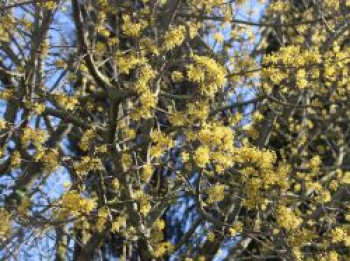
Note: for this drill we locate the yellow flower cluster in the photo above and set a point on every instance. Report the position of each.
(252, 190)
(162, 248)
(3, 124)
(315, 163)
(331, 256)
(340, 235)
(219, 140)
(300, 237)
(206, 5)
(148, 100)
(202, 156)
(174, 37)
(67, 102)
(301, 79)
(261, 175)
(15, 159)
(6, 94)
(72, 203)
(126, 161)
(236, 228)
(143, 201)
(87, 164)
(161, 143)
(216, 193)
(294, 66)
(197, 111)
(50, 4)
(102, 218)
(131, 28)
(127, 61)
(36, 136)
(287, 219)
(177, 76)
(157, 235)
(5, 224)
(118, 223)
(263, 159)
(147, 172)
(209, 74)
(148, 45)
(36, 107)
(49, 157)
(279, 6)
(217, 136)
(87, 139)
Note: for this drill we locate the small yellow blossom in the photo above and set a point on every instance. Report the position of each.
(130, 28)
(236, 228)
(177, 76)
(126, 161)
(216, 193)
(147, 172)
(174, 37)
(202, 156)
(162, 248)
(5, 224)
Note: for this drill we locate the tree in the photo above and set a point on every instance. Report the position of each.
(163, 130)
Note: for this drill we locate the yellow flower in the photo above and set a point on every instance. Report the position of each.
(216, 193)
(143, 200)
(195, 74)
(6, 94)
(236, 228)
(50, 4)
(66, 102)
(16, 159)
(287, 219)
(219, 37)
(315, 163)
(159, 224)
(87, 164)
(174, 37)
(102, 219)
(126, 161)
(115, 184)
(147, 172)
(211, 236)
(162, 248)
(127, 62)
(161, 143)
(177, 76)
(118, 223)
(3, 124)
(39, 108)
(301, 79)
(338, 235)
(5, 224)
(208, 73)
(148, 100)
(87, 139)
(202, 157)
(131, 28)
(73, 203)
(333, 256)
(185, 156)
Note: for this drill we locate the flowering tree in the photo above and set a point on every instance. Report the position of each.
(160, 129)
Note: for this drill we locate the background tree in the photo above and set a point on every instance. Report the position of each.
(162, 130)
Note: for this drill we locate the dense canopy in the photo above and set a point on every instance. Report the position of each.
(174, 130)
